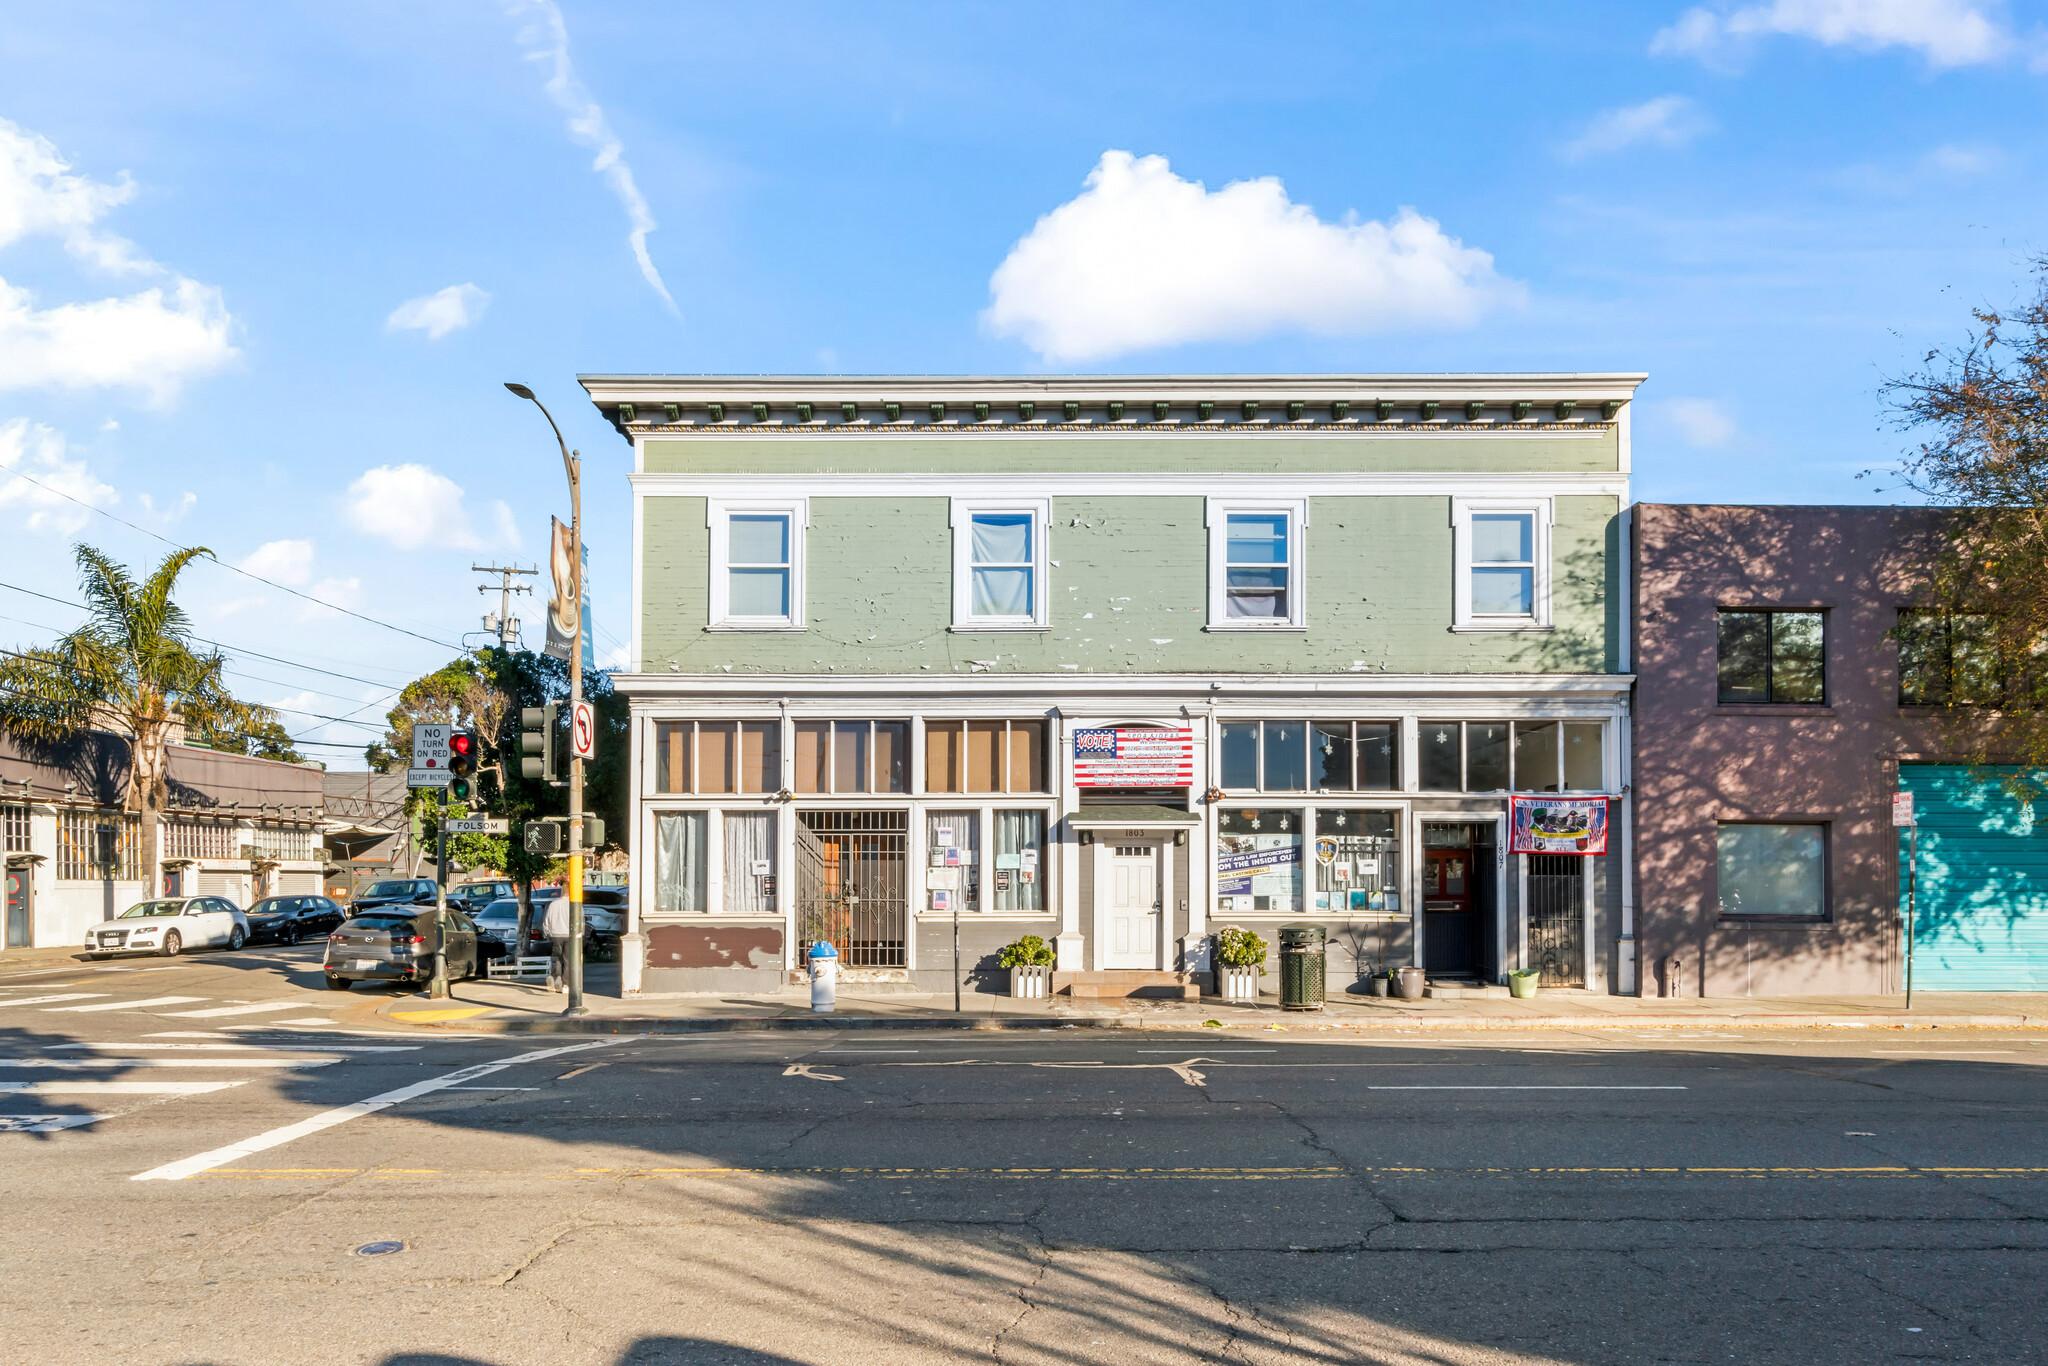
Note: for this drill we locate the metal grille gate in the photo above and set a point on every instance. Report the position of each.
(1557, 919)
(849, 889)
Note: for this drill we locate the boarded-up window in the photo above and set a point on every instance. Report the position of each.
(852, 756)
(719, 756)
(984, 756)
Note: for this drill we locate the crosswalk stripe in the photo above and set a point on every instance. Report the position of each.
(113, 1088)
(62, 996)
(257, 1009)
(44, 1124)
(102, 1064)
(133, 1005)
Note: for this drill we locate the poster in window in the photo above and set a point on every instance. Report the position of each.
(1258, 872)
(1557, 825)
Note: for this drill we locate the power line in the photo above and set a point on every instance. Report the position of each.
(225, 564)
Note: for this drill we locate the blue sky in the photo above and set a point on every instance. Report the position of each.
(266, 267)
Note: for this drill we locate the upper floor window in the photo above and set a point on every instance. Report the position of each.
(1501, 554)
(1300, 756)
(984, 756)
(1520, 756)
(757, 565)
(717, 756)
(1255, 564)
(852, 756)
(1952, 659)
(1768, 656)
(999, 565)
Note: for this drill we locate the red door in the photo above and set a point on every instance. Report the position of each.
(1449, 922)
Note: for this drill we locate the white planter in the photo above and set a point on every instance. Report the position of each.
(1237, 984)
(1035, 982)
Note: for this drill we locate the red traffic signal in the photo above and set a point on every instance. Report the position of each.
(462, 745)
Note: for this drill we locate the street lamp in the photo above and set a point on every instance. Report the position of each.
(572, 465)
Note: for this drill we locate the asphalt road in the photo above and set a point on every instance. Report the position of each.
(1062, 1196)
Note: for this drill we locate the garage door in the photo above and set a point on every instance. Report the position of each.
(1983, 919)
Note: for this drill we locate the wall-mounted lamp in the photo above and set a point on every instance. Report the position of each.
(1087, 837)
(1180, 839)
(785, 796)
(1214, 795)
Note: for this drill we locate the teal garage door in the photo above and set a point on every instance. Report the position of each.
(1983, 881)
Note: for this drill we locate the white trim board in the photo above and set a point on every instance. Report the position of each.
(1001, 484)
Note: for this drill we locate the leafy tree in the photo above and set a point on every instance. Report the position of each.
(258, 740)
(132, 667)
(1981, 409)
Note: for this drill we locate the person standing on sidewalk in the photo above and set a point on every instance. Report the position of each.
(556, 926)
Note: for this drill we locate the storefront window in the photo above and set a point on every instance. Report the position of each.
(1536, 756)
(1294, 756)
(952, 841)
(679, 840)
(1357, 863)
(749, 861)
(1473, 756)
(1019, 872)
(1258, 860)
(1773, 870)
(1584, 769)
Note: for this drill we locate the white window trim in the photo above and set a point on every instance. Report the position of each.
(718, 515)
(1541, 512)
(1216, 515)
(963, 514)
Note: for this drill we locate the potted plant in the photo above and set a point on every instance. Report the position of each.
(1240, 958)
(1029, 960)
(1522, 982)
(1381, 982)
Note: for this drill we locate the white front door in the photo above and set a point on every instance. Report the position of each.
(1128, 916)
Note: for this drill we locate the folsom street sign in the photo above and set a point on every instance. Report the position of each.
(479, 826)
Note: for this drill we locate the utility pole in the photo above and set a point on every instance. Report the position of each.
(505, 625)
(572, 465)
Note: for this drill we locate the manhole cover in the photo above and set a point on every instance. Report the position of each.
(378, 1249)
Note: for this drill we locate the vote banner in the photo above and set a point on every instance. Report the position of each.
(1118, 756)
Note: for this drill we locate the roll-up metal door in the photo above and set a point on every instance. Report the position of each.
(298, 884)
(1983, 881)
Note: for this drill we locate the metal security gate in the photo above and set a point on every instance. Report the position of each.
(1983, 890)
(1557, 918)
(850, 885)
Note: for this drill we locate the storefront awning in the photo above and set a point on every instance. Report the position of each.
(1092, 817)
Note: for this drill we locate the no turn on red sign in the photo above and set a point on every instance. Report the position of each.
(583, 731)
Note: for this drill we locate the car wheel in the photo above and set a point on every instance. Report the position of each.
(290, 937)
(338, 983)
(171, 944)
(236, 939)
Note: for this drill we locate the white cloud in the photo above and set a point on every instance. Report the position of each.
(546, 40)
(33, 452)
(1953, 160)
(1948, 33)
(507, 525)
(441, 312)
(1667, 121)
(172, 511)
(152, 341)
(1702, 423)
(410, 506)
(287, 562)
(333, 592)
(1142, 258)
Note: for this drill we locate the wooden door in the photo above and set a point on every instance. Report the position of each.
(1129, 921)
(18, 922)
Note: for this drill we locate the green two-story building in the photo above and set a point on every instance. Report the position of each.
(1118, 661)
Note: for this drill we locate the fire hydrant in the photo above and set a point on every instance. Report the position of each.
(824, 964)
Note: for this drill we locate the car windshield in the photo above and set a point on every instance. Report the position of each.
(374, 921)
(507, 911)
(150, 908)
(272, 906)
(390, 889)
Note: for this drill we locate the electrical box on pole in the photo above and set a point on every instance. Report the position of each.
(537, 743)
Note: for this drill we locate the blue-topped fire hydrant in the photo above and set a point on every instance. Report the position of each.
(824, 963)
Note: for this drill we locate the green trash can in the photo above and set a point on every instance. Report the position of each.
(1301, 967)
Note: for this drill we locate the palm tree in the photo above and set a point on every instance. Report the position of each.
(134, 668)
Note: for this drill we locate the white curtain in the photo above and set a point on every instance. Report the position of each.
(1017, 831)
(749, 837)
(679, 861)
(958, 830)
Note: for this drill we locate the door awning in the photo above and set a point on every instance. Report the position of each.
(1096, 817)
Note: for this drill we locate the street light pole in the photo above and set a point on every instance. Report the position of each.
(572, 465)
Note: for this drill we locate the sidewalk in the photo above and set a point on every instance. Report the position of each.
(510, 1008)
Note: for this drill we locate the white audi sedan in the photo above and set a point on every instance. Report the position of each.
(170, 926)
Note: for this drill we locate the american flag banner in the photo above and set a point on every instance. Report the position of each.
(1116, 756)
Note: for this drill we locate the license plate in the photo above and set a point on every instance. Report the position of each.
(364, 964)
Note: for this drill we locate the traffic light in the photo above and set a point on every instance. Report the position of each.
(463, 748)
(537, 744)
(543, 837)
(593, 832)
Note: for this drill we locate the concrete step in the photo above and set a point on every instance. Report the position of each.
(1125, 983)
(1463, 991)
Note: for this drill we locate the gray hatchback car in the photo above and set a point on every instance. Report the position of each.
(397, 945)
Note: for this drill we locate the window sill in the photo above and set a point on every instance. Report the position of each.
(1255, 626)
(1773, 709)
(755, 626)
(976, 627)
(926, 917)
(1790, 922)
(1495, 628)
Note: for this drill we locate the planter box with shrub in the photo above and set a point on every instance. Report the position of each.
(1240, 957)
(1030, 961)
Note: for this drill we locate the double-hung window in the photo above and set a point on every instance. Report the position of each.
(1255, 565)
(1501, 555)
(757, 565)
(999, 563)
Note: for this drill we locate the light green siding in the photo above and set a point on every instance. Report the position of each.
(828, 452)
(1128, 592)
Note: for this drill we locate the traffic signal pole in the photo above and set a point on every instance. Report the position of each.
(438, 989)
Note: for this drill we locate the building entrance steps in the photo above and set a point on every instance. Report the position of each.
(1126, 983)
(1465, 989)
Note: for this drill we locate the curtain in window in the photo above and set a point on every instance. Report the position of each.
(749, 837)
(679, 861)
(953, 839)
(1002, 565)
(1016, 833)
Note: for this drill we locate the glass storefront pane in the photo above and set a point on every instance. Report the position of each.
(952, 840)
(813, 756)
(1258, 860)
(1379, 766)
(1584, 770)
(679, 861)
(984, 756)
(749, 845)
(850, 766)
(892, 756)
(1286, 758)
(1778, 870)
(760, 756)
(714, 756)
(1330, 755)
(1020, 862)
(1443, 764)
(1536, 756)
(1240, 759)
(673, 755)
(1027, 756)
(1358, 863)
(1486, 756)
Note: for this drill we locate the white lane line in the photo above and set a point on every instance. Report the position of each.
(849, 1052)
(61, 996)
(1219, 1052)
(271, 1024)
(44, 1124)
(132, 1005)
(259, 1008)
(218, 1157)
(1940, 1052)
(494, 1088)
(1525, 1088)
(102, 1064)
(114, 1088)
(322, 1047)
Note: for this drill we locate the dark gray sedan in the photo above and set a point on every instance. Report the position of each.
(397, 945)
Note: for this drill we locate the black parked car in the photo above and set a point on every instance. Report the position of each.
(417, 891)
(288, 919)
